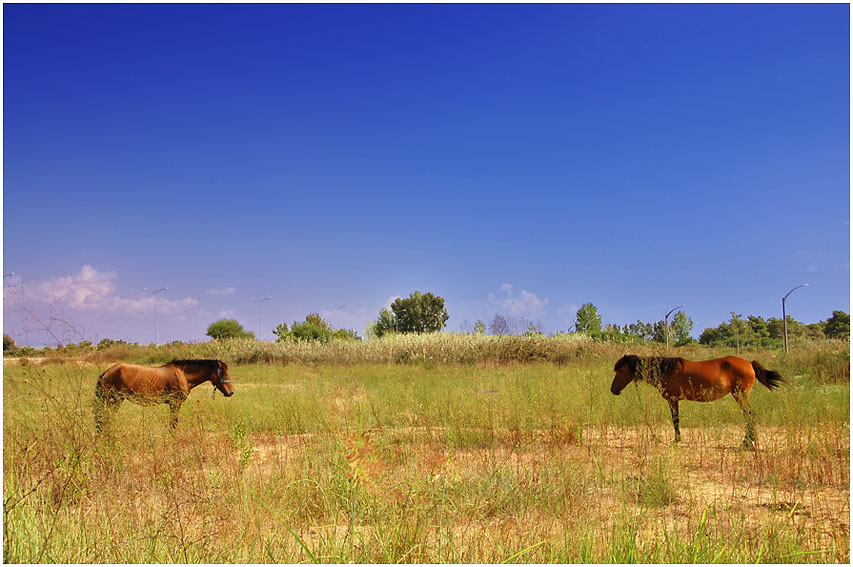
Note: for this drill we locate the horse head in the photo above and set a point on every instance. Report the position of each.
(625, 369)
(221, 380)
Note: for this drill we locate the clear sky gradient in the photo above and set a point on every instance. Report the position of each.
(513, 159)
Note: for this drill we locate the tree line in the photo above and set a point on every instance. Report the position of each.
(758, 331)
(426, 313)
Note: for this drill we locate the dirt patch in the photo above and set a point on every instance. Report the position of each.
(608, 473)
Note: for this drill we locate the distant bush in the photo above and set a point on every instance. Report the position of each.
(613, 334)
(109, 343)
(228, 329)
(313, 329)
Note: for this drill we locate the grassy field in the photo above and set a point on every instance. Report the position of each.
(419, 458)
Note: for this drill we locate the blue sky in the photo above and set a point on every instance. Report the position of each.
(513, 159)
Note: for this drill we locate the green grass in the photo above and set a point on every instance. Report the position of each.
(426, 462)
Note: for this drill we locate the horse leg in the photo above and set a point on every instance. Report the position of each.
(104, 409)
(742, 399)
(104, 412)
(174, 407)
(673, 408)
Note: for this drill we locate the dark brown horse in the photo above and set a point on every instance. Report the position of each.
(706, 381)
(168, 384)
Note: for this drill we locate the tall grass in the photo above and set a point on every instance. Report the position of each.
(826, 362)
(422, 460)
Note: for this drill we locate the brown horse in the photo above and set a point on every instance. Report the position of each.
(168, 384)
(706, 381)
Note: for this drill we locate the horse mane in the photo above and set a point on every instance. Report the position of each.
(667, 365)
(649, 368)
(208, 362)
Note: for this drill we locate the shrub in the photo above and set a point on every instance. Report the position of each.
(228, 329)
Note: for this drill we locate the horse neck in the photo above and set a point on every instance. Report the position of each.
(196, 374)
(650, 371)
(656, 370)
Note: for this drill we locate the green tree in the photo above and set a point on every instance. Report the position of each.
(587, 319)
(814, 331)
(638, 329)
(420, 313)
(837, 326)
(228, 329)
(315, 319)
(344, 335)
(776, 327)
(385, 323)
(313, 328)
(108, 343)
(680, 329)
(715, 335)
(282, 331)
(758, 329)
(739, 328)
(307, 331)
(658, 333)
(9, 344)
(479, 328)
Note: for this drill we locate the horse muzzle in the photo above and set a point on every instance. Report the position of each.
(615, 390)
(226, 391)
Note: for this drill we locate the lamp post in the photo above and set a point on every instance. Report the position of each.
(785, 317)
(154, 293)
(666, 323)
(260, 301)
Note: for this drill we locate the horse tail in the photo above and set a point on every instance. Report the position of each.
(99, 388)
(769, 378)
(100, 406)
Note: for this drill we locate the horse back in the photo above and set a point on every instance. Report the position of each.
(143, 380)
(708, 380)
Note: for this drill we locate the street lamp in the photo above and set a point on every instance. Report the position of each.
(260, 301)
(785, 317)
(154, 293)
(666, 323)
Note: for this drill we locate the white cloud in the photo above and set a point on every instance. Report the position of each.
(525, 303)
(91, 290)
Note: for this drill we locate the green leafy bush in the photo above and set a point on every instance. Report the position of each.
(228, 329)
